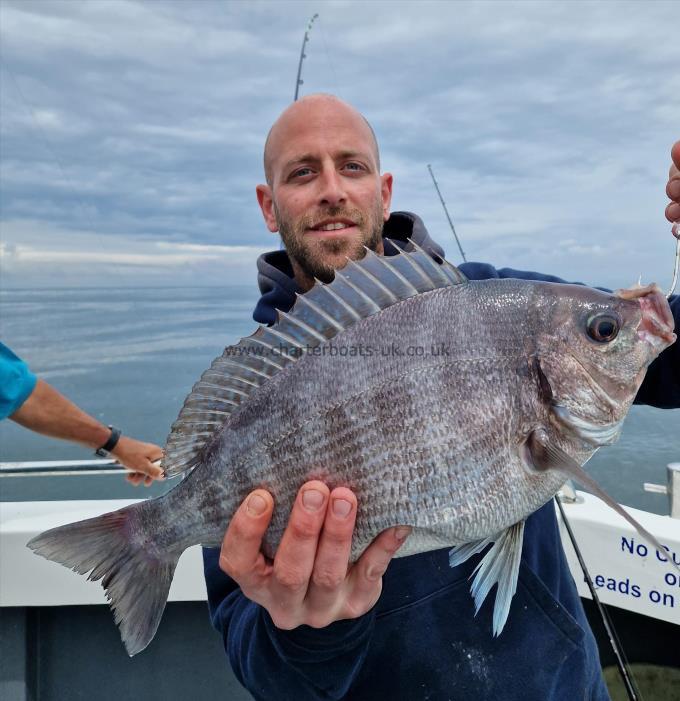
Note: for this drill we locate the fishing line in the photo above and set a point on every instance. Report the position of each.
(621, 661)
(676, 233)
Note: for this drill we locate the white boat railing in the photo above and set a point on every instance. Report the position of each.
(625, 570)
(70, 468)
(671, 488)
(61, 468)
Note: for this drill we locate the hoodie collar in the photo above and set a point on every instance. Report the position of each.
(275, 272)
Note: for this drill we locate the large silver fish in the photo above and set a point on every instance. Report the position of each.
(452, 406)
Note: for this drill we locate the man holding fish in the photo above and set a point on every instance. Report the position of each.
(445, 459)
(310, 624)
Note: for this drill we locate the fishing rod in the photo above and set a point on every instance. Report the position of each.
(446, 211)
(621, 661)
(303, 55)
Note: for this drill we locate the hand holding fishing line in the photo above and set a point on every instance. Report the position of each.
(673, 209)
(673, 186)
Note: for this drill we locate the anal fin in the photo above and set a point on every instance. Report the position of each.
(499, 566)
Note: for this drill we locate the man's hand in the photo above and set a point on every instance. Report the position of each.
(310, 581)
(673, 186)
(140, 458)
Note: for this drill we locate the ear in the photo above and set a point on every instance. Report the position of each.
(266, 202)
(386, 194)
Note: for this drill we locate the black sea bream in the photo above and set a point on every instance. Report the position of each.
(452, 406)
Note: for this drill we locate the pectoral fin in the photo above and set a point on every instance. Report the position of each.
(545, 455)
(499, 566)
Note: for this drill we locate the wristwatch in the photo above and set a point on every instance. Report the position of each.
(104, 451)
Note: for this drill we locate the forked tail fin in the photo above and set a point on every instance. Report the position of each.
(116, 549)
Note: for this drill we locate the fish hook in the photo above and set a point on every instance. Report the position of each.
(676, 233)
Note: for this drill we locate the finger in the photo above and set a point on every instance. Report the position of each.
(366, 575)
(673, 188)
(332, 556)
(675, 156)
(134, 478)
(240, 555)
(673, 212)
(155, 469)
(296, 553)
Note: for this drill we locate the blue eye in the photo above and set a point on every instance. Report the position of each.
(354, 166)
(301, 172)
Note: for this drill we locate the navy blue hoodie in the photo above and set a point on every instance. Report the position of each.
(422, 640)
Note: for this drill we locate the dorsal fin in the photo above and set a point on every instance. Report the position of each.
(359, 290)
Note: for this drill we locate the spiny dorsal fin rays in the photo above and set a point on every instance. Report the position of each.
(361, 289)
(383, 296)
(324, 320)
(455, 274)
(221, 390)
(364, 304)
(241, 368)
(422, 282)
(416, 266)
(372, 258)
(229, 380)
(304, 331)
(267, 338)
(331, 298)
(339, 307)
(285, 338)
(434, 269)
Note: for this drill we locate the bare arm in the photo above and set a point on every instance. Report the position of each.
(48, 412)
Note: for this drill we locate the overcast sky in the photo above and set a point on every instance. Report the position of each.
(132, 132)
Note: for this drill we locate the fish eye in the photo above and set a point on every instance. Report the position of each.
(603, 328)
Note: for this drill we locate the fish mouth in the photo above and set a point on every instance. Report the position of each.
(657, 323)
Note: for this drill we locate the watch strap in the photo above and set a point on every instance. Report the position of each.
(110, 444)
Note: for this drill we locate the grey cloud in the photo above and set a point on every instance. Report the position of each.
(544, 121)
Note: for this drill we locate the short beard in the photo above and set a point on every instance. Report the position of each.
(313, 263)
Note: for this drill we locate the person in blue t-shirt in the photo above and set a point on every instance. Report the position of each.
(311, 625)
(36, 405)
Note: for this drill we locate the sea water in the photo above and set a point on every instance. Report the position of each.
(130, 356)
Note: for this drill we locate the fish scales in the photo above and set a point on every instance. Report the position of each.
(356, 419)
(458, 410)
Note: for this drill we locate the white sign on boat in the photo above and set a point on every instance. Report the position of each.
(626, 570)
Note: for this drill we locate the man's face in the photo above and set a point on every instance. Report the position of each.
(326, 196)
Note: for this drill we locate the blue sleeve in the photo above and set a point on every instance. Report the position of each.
(301, 664)
(661, 386)
(16, 382)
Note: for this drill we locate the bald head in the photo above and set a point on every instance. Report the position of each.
(309, 112)
(325, 194)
